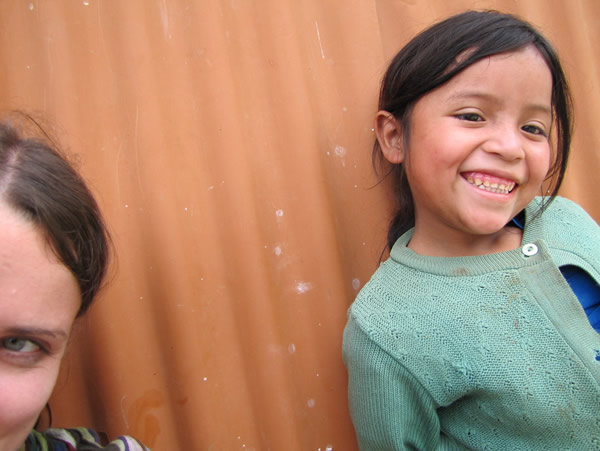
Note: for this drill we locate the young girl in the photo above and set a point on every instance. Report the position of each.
(473, 334)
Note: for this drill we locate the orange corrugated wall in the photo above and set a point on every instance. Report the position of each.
(229, 145)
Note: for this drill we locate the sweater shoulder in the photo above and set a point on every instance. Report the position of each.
(565, 211)
(569, 229)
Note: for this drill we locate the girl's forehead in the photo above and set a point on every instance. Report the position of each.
(35, 286)
(523, 68)
(527, 56)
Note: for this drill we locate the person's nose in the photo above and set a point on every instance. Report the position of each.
(506, 141)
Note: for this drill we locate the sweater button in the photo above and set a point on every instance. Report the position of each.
(529, 250)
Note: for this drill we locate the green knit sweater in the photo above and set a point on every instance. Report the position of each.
(489, 352)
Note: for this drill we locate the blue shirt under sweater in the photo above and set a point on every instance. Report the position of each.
(585, 288)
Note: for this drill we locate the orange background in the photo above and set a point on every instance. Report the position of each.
(228, 143)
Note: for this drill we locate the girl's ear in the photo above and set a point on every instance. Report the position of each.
(389, 134)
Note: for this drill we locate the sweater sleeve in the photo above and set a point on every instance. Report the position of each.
(390, 409)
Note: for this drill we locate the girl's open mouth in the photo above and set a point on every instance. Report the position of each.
(490, 183)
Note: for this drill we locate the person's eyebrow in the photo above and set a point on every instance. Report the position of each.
(36, 332)
(462, 95)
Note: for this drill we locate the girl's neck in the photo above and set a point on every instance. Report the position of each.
(507, 239)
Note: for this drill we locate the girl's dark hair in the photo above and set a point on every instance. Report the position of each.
(38, 182)
(442, 51)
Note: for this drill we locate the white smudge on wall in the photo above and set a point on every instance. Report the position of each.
(341, 152)
(303, 287)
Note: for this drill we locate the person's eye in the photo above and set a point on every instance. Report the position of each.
(17, 344)
(534, 130)
(470, 117)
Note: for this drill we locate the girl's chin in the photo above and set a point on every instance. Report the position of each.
(489, 229)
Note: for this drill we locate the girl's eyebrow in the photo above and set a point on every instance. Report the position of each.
(462, 95)
(36, 331)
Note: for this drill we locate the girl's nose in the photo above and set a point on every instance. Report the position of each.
(506, 142)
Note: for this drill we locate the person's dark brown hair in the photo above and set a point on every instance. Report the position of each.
(39, 182)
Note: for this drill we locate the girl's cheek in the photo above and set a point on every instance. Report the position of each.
(23, 395)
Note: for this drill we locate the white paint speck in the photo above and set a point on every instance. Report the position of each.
(205, 379)
(126, 205)
(310, 403)
(303, 287)
(279, 213)
(86, 3)
(212, 187)
(292, 348)
(356, 284)
(277, 251)
(185, 209)
(31, 7)
(329, 448)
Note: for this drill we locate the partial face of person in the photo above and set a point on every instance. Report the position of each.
(39, 299)
(479, 153)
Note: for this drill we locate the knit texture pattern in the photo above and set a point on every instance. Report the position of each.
(490, 352)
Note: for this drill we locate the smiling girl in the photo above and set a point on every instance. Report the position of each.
(479, 331)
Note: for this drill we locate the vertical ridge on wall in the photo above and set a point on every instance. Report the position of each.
(228, 142)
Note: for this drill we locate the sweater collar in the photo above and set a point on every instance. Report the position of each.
(480, 264)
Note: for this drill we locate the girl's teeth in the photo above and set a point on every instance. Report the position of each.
(491, 187)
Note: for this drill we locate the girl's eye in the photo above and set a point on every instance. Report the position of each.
(534, 130)
(16, 344)
(471, 117)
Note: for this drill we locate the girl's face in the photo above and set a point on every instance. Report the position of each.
(478, 154)
(39, 299)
